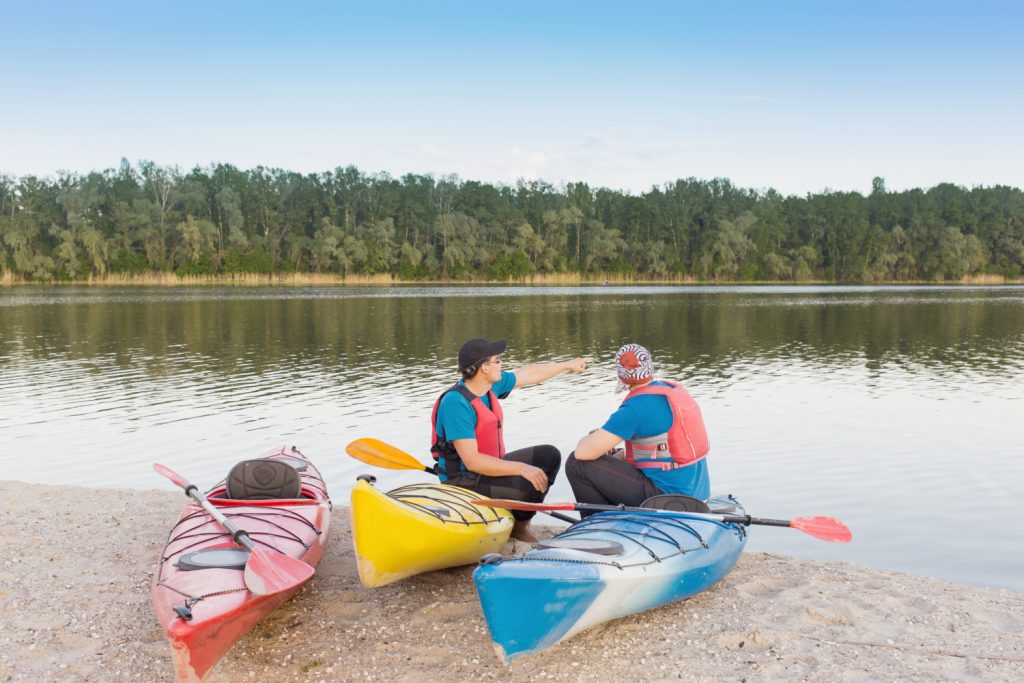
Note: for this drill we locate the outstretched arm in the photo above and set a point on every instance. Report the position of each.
(542, 372)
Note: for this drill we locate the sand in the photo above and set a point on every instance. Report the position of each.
(76, 565)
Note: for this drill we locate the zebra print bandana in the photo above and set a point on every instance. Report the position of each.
(633, 366)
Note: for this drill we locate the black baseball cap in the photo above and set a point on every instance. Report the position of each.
(476, 350)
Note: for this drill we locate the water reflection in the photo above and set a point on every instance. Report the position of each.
(234, 330)
(894, 408)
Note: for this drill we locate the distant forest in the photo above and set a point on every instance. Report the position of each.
(222, 222)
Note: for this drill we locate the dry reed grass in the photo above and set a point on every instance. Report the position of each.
(163, 279)
(982, 279)
(159, 279)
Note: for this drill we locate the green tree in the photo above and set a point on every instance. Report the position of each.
(162, 185)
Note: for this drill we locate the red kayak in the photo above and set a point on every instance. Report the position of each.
(199, 589)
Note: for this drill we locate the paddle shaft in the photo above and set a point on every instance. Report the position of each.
(825, 528)
(746, 520)
(378, 453)
(192, 491)
(239, 536)
(551, 513)
(735, 519)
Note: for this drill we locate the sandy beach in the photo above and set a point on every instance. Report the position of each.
(76, 566)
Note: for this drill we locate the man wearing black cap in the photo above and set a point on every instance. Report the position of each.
(467, 431)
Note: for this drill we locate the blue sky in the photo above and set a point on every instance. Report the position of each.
(798, 96)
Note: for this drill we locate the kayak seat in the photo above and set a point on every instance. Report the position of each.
(263, 480)
(676, 502)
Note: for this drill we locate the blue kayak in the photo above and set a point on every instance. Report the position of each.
(608, 566)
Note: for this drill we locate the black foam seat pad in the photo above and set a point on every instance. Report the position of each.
(263, 480)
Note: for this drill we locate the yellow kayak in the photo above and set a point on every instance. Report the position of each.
(420, 528)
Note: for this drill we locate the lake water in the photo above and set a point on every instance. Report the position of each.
(897, 409)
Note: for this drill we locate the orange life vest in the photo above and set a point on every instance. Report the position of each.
(683, 444)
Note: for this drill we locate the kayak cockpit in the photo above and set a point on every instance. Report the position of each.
(263, 481)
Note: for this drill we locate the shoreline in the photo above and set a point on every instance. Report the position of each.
(161, 279)
(77, 566)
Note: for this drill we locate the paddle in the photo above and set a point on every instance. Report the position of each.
(825, 528)
(380, 454)
(266, 573)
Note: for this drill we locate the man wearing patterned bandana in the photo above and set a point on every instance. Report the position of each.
(665, 441)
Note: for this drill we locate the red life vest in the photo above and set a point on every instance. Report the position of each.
(489, 438)
(683, 444)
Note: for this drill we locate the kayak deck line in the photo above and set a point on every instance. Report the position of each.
(446, 498)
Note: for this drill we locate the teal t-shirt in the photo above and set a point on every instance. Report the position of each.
(456, 418)
(645, 416)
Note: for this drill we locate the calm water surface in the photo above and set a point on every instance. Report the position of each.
(898, 410)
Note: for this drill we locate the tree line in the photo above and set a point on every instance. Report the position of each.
(222, 221)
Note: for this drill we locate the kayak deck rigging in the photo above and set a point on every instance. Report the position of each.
(639, 529)
(449, 499)
(203, 538)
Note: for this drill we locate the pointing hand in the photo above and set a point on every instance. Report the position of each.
(578, 365)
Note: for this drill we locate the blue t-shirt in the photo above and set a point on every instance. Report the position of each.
(645, 416)
(456, 418)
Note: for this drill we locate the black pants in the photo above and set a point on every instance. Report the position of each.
(548, 458)
(608, 481)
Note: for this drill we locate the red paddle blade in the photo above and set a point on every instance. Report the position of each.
(170, 474)
(826, 528)
(267, 573)
(506, 504)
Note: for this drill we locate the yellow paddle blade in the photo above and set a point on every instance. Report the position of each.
(377, 453)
